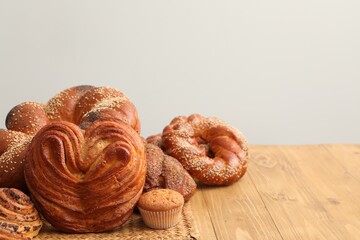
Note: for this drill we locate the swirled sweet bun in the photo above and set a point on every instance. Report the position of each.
(209, 149)
(86, 180)
(18, 217)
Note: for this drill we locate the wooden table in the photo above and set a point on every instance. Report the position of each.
(289, 192)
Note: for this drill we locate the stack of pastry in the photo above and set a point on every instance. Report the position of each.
(81, 156)
(85, 165)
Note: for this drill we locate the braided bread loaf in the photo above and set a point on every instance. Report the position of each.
(80, 105)
(86, 181)
(13, 147)
(18, 216)
(212, 151)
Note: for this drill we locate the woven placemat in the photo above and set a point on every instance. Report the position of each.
(134, 228)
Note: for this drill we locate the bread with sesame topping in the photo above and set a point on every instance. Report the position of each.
(164, 171)
(13, 148)
(80, 105)
(212, 151)
(155, 140)
(18, 217)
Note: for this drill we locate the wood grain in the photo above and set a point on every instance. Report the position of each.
(289, 192)
(202, 216)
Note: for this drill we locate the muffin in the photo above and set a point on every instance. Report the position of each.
(161, 208)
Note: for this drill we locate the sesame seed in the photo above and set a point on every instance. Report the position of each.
(180, 140)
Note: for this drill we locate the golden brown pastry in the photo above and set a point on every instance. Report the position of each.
(86, 181)
(18, 217)
(164, 171)
(155, 139)
(81, 105)
(161, 208)
(212, 151)
(13, 147)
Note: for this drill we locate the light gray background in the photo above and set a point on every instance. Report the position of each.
(282, 72)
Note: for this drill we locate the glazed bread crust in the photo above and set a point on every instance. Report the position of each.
(13, 148)
(212, 151)
(80, 105)
(86, 180)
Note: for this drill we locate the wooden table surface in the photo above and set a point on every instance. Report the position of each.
(288, 192)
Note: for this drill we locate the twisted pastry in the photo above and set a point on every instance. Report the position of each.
(212, 151)
(18, 216)
(86, 181)
(81, 105)
(164, 171)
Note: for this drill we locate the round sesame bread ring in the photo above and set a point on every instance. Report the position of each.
(209, 149)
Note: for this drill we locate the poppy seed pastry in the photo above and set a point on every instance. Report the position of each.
(86, 180)
(80, 105)
(18, 217)
(212, 151)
